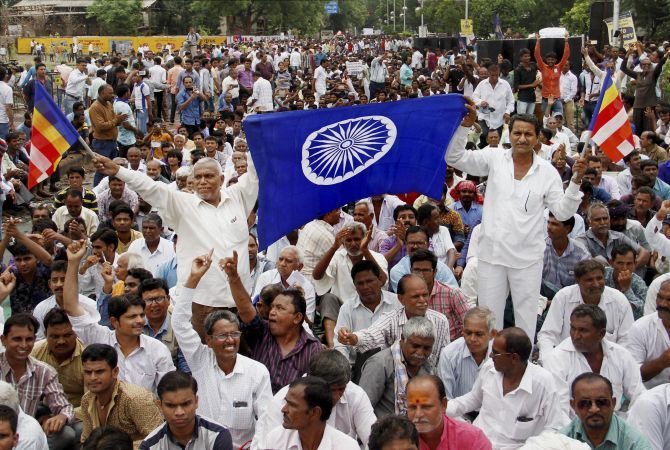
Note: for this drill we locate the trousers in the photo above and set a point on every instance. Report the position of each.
(494, 285)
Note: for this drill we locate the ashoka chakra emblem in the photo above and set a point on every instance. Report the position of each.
(344, 149)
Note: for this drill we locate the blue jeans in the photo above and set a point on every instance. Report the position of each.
(525, 107)
(142, 118)
(4, 130)
(68, 103)
(104, 148)
(558, 106)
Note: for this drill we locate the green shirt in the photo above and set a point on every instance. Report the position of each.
(620, 436)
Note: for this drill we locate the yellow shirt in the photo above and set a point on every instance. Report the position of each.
(70, 372)
(134, 235)
(132, 409)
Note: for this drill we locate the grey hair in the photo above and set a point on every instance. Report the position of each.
(367, 203)
(419, 327)
(358, 226)
(332, 366)
(121, 161)
(208, 161)
(184, 171)
(135, 260)
(9, 396)
(294, 249)
(222, 314)
(481, 313)
(594, 206)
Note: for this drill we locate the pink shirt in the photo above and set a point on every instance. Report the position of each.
(457, 435)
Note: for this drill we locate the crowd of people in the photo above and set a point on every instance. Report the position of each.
(528, 307)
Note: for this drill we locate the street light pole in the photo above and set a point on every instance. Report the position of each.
(394, 16)
(404, 15)
(466, 9)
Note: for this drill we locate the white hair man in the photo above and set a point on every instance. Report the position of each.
(29, 430)
(224, 211)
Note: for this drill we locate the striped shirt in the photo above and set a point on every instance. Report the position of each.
(384, 332)
(206, 436)
(234, 400)
(39, 380)
(450, 302)
(559, 270)
(283, 369)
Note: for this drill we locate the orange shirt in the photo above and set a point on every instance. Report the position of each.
(551, 76)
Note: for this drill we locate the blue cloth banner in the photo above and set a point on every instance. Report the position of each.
(311, 162)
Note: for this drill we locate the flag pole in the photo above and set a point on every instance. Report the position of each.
(87, 149)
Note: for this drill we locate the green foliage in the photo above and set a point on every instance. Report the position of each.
(353, 14)
(513, 14)
(117, 17)
(577, 18)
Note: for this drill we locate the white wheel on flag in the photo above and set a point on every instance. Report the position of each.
(341, 150)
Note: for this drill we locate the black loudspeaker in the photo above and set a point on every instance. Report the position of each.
(510, 50)
(597, 28)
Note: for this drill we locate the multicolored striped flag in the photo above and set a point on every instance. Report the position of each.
(609, 126)
(52, 135)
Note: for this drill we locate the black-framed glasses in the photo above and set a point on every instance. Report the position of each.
(226, 336)
(160, 299)
(600, 403)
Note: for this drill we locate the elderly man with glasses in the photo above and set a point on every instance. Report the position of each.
(232, 387)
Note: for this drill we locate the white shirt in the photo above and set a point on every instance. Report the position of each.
(230, 81)
(536, 398)
(355, 316)
(610, 185)
(337, 278)
(46, 305)
(417, 60)
(352, 415)
(320, 77)
(647, 340)
(233, 400)
(145, 366)
(650, 415)
(140, 92)
(226, 229)
(513, 219)
(76, 83)
(442, 243)
(281, 438)
(31, 436)
(272, 276)
(263, 95)
(91, 219)
(6, 98)
(314, 240)
(458, 369)
(556, 325)
(657, 240)
(158, 76)
(652, 292)
(295, 58)
(152, 261)
(385, 220)
(499, 98)
(618, 366)
(568, 86)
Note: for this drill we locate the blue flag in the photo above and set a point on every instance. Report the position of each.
(497, 26)
(311, 162)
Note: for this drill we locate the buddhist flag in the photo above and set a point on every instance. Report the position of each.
(610, 128)
(52, 135)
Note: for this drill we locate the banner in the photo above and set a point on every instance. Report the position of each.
(626, 28)
(467, 29)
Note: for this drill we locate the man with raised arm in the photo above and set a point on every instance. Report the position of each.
(142, 360)
(224, 211)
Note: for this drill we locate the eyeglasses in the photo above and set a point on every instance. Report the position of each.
(495, 355)
(227, 336)
(421, 271)
(160, 299)
(416, 243)
(600, 403)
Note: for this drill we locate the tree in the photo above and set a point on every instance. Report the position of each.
(353, 14)
(513, 14)
(577, 18)
(117, 17)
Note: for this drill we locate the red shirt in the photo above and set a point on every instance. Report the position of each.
(457, 435)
